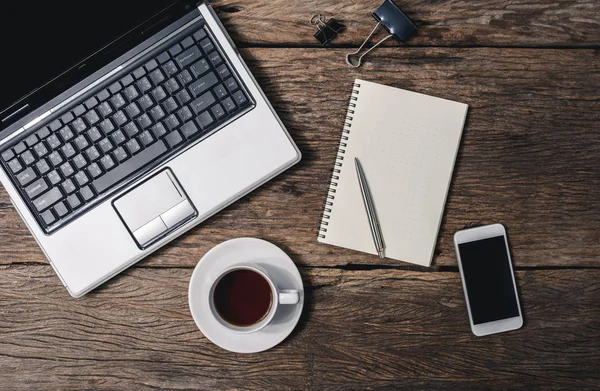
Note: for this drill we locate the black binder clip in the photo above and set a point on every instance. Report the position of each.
(327, 30)
(397, 24)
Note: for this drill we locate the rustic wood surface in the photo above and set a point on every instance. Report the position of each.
(530, 72)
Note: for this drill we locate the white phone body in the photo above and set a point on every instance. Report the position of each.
(479, 234)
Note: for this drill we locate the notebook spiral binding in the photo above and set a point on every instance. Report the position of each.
(339, 161)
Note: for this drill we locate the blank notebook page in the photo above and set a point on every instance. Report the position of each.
(407, 144)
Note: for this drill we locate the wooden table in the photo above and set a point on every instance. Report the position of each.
(530, 158)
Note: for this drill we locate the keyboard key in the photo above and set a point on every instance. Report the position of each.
(133, 110)
(215, 58)
(79, 110)
(120, 118)
(27, 176)
(144, 85)
(203, 84)
(172, 122)
(92, 154)
(175, 50)
(81, 142)
(78, 125)
(186, 43)
(90, 103)
(31, 140)
(87, 193)
(68, 117)
(48, 217)
(183, 97)
(94, 170)
(73, 201)
(189, 129)
(157, 76)
(43, 133)
(127, 80)
(105, 145)
(15, 166)
(54, 178)
(185, 77)
(118, 101)
(120, 154)
(174, 139)
(223, 72)
(146, 138)
(103, 95)
(163, 57)
(229, 105)
(118, 137)
(131, 93)
(139, 73)
(53, 141)
(66, 133)
(36, 188)
(107, 162)
(67, 170)
(172, 86)
(159, 94)
(205, 120)
(218, 111)
(185, 114)
(157, 113)
(68, 186)
(19, 148)
(200, 68)
(55, 125)
(199, 35)
(159, 130)
(133, 146)
(145, 102)
(170, 105)
(79, 161)
(104, 109)
(231, 84)
(115, 87)
(47, 199)
(7, 155)
(202, 103)
(107, 126)
(131, 129)
(28, 158)
(68, 150)
(151, 65)
(144, 121)
(42, 166)
(40, 149)
(56, 159)
(207, 45)
(92, 117)
(61, 209)
(240, 98)
(220, 91)
(81, 178)
(130, 166)
(170, 68)
(188, 57)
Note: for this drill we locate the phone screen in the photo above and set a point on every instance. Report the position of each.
(488, 277)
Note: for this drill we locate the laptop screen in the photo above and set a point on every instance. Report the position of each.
(41, 40)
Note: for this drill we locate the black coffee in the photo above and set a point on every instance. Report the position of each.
(243, 297)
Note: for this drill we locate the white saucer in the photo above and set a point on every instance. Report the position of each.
(245, 251)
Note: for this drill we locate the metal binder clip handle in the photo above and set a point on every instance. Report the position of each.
(397, 24)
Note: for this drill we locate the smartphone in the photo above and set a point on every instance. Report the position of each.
(488, 279)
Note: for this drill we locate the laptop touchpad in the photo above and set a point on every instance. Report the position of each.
(154, 208)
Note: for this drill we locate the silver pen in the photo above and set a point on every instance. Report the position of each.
(373, 221)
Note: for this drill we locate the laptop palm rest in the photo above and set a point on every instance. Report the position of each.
(154, 208)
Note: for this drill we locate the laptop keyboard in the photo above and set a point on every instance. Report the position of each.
(130, 125)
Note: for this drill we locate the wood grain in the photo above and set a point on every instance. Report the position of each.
(384, 329)
(441, 23)
(529, 157)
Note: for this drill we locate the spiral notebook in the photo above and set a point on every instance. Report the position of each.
(407, 144)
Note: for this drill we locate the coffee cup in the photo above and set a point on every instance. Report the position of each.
(244, 298)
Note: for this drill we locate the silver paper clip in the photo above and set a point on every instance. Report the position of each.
(397, 24)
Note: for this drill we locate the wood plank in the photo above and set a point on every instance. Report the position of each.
(529, 157)
(361, 330)
(441, 23)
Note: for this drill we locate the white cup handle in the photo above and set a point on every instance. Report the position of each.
(289, 297)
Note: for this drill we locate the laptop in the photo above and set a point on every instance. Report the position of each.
(124, 125)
